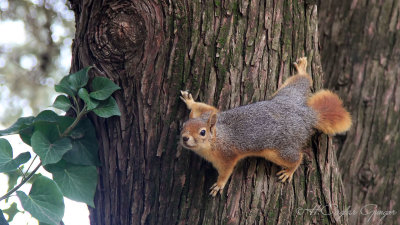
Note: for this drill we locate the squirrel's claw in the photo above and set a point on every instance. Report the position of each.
(301, 65)
(183, 93)
(187, 98)
(186, 95)
(285, 175)
(215, 189)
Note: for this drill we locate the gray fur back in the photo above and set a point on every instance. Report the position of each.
(284, 122)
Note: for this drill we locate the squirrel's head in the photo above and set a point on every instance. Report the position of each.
(197, 133)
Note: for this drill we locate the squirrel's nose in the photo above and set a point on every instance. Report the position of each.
(185, 138)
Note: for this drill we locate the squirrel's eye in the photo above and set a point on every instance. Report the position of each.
(203, 132)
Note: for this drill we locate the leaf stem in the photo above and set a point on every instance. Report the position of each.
(77, 110)
(76, 121)
(22, 172)
(20, 184)
(65, 133)
(30, 165)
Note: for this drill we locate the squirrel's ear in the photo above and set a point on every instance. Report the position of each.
(212, 121)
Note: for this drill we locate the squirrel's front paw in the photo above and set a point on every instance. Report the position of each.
(284, 175)
(187, 98)
(216, 188)
(301, 65)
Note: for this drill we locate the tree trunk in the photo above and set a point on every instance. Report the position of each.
(360, 55)
(227, 53)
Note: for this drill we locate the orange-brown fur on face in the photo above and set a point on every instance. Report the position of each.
(191, 137)
(332, 117)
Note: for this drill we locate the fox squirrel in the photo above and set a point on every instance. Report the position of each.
(276, 129)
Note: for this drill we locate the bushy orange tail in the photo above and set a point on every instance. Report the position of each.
(332, 117)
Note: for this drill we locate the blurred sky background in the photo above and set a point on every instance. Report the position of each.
(35, 53)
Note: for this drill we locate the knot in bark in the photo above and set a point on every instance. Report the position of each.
(118, 33)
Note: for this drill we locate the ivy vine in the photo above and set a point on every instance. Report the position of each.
(65, 146)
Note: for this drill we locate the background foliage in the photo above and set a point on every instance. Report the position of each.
(63, 144)
(34, 60)
(35, 53)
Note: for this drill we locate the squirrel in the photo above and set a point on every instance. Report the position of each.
(275, 129)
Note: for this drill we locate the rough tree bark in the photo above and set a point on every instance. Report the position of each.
(360, 54)
(227, 53)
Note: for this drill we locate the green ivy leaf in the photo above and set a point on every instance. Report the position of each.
(49, 130)
(90, 102)
(49, 151)
(76, 182)
(25, 134)
(83, 152)
(46, 116)
(33, 177)
(102, 88)
(11, 212)
(7, 163)
(84, 144)
(45, 201)
(62, 102)
(17, 126)
(79, 79)
(3, 220)
(65, 87)
(71, 83)
(107, 108)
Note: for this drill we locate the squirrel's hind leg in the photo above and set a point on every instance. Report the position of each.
(289, 165)
(286, 174)
(301, 68)
(197, 108)
(301, 65)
